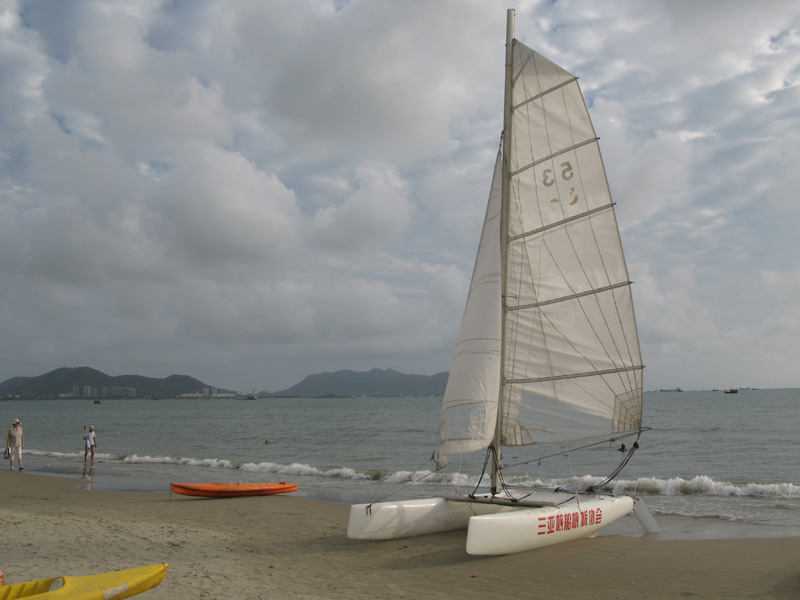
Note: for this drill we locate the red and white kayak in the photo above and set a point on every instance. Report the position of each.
(231, 490)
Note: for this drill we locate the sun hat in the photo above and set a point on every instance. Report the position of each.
(91, 426)
(15, 421)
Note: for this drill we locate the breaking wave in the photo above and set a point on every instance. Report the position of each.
(650, 486)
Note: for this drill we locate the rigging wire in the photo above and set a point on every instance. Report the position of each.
(407, 485)
(616, 471)
(413, 482)
(491, 454)
(637, 433)
(507, 489)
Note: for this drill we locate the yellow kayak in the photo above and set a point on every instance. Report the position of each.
(105, 586)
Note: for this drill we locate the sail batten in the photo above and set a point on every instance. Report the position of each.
(576, 375)
(544, 93)
(554, 155)
(570, 297)
(588, 213)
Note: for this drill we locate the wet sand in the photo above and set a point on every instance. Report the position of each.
(288, 547)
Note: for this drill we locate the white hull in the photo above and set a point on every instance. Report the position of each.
(406, 518)
(526, 529)
(492, 529)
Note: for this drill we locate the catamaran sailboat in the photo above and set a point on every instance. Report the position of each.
(548, 351)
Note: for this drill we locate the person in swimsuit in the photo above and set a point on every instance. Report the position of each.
(91, 443)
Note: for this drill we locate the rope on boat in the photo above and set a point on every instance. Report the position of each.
(407, 485)
(491, 452)
(616, 471)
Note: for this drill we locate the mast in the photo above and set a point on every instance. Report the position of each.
(496, 445)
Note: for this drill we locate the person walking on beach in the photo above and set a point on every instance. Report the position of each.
(15, 443)
(91, 443)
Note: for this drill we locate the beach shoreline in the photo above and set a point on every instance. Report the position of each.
(290, 547)
(101, 476)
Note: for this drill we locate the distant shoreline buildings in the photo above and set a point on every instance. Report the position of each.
(210, 392)
(88, 391)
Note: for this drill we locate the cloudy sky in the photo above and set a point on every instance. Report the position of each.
(252, 192)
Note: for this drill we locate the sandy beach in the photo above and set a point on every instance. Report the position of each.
(286, 547)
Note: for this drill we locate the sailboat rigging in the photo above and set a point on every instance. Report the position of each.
(548, 350)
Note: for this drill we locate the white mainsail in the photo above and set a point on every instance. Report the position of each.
(571, 366)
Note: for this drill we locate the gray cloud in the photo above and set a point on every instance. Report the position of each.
(252, 192)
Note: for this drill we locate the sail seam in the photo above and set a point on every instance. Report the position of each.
(561, 223)
(554, 154)
(576, 375)
(572, 296)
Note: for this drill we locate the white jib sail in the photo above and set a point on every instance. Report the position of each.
(469, 411)
(572, 361)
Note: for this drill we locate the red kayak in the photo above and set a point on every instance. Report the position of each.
(231, 490)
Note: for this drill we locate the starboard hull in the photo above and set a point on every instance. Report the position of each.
(115, 585)
(526, 529)
(492, 529)
(231, 490)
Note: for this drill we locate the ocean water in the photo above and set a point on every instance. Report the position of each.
(731, 458)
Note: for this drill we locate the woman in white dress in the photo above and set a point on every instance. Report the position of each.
(15, 443)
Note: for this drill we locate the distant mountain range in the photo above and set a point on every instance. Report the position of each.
(384, 383)
(62, 381)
